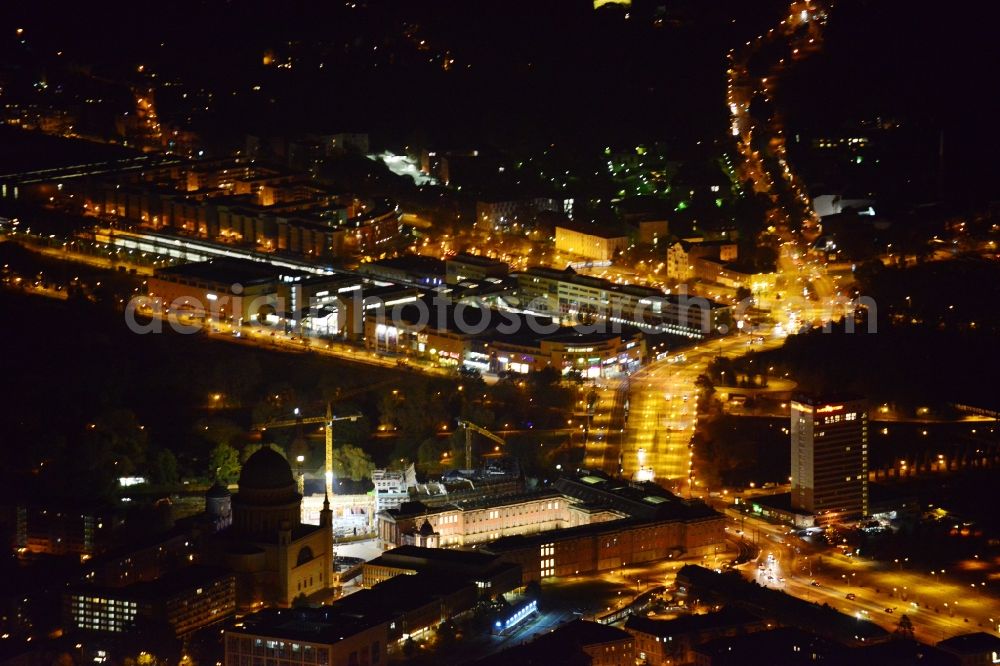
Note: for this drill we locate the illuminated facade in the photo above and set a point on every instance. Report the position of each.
(654, 525)
(590, 244)
(731, 275)
(475, 338)
(829, 437)
(275, 556)
(325, 636)
(573, 298)
(474, 522)
(681, 254)
(185, 600)
(468, 267)
(244, 203)
(243, 291)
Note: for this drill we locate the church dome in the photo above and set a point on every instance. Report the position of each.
(268, 498)
(266, 469)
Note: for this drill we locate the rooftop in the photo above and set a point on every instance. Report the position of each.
(688, 243)
(787, 646)
(477, 260)
(223, 270)
(325, 624)
(413, 263)
(443, 555)
(819, 400)
(571, 276)
(410, 509)
(168, 585)
(457, 568)
(562, 646)
(641, 500)
(686, 624)
(400, 594)
(971, 644)
(593, 230)
(518, 541)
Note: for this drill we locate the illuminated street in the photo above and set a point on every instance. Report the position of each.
(938, 608)
(607, 333)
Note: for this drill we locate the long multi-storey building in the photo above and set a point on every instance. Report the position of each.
(324, 636)
(475, 522)
(575, 298)
(655, 525)
(500, 341)
(243, 203)
(830, 456)
(183, 601)
(358, 629)
(586, 523)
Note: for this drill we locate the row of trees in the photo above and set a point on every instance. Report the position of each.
(744, 372)
(225, 461)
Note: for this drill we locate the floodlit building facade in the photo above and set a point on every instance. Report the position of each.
(593, 244)
(472, 522)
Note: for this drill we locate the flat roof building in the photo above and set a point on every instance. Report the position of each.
(488, 572)
(591, 242)
(577, 642)
(494, 340)
(664, 642)
(653, 525)
(574, 298)
(973, 649)
(477, 521)
(183, 600)
(829, 453)
(409, 268)
(324, 636)
(465, 267)
(414, 603)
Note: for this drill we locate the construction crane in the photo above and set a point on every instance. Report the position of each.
(469, 428)
(327, 421)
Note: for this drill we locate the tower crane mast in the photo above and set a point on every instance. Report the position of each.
(471, 427)
(327, 421)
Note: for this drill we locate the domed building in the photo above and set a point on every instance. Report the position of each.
(268, 495)
(275, 556)
(219, 506)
